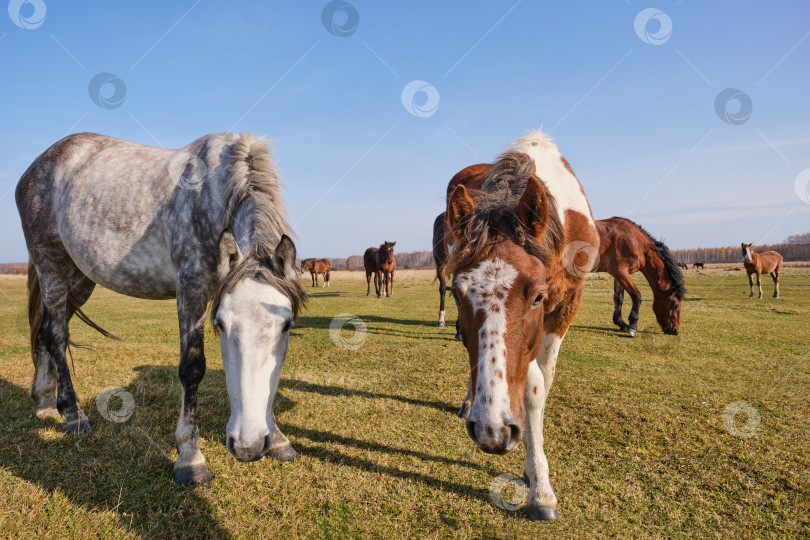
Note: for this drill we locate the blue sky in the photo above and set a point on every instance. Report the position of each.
(634, 113)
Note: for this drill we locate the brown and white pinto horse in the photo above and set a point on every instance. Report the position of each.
(315, 267)
(507, 246)
(380, 262)
(626, 248)
(769, 262)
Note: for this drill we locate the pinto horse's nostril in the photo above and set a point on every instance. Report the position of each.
(514, 436)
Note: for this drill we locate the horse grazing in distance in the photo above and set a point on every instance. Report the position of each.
(626, 248)
(203, 224)
(769, 262)
(683, 266)
(381, 263)
(517, 286)
(315, 267)
(698, 265)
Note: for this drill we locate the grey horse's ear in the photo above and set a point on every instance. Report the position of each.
(229, 254)
(284, 257)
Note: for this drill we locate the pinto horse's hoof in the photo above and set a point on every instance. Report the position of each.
(193, 476)
(542, 513)
(76, 424)
(285, 454)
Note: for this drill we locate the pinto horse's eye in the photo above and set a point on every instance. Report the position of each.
(538, 300)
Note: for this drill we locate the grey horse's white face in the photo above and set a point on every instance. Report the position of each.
(254, 320)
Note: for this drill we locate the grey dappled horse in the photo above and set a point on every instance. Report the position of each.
(205, 223)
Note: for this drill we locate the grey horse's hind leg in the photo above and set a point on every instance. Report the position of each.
(43, 386)
(190, 469)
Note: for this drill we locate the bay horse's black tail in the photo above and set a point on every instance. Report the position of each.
(36, 310)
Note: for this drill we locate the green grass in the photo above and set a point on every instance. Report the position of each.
(634, 429)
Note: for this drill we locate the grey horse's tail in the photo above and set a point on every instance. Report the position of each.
(36, 311)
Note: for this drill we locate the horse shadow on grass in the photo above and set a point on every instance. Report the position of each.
(121, 469)
(375, 325)
(125, 469)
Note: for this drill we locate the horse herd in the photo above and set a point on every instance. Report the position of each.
(206, 225)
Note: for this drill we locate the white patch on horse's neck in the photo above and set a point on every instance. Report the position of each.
(747, 255)
(487, 288)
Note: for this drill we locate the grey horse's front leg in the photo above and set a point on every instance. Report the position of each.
(190, 469)
(280, 448)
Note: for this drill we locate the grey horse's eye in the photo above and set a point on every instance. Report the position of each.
(287, 326)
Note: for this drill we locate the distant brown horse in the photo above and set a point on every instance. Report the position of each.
(380, 262)
(626, 248)
(769, 262)
(315, 267)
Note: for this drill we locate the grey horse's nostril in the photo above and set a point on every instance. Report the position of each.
(249, 452)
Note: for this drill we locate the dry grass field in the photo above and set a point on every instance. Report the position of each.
(641, 434)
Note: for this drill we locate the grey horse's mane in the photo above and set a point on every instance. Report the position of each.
(254, 178)
(496, 214)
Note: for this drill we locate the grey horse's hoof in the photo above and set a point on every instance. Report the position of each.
(464, 411)
(76, 424)
(193, 476)
(285, 454)
(542, 513)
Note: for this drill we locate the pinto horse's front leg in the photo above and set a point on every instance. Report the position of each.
(190, 469)
(542, 501)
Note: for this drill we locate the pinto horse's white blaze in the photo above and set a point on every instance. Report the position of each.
(254, 319)
(486, 287)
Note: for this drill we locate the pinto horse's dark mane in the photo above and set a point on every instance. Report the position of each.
(496, 218)
(254, 178)
(670, 265)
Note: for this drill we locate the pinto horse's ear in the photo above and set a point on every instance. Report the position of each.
(459, 207)
(229, 254)
(284, 257)
(533, 207)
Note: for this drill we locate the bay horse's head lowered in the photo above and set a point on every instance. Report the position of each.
(500, 285)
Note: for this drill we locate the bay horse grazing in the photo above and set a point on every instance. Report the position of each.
(769, 262)
(381, 263)
(683, 266)
(202, 224)
(315, 267)
(510, 257)
(698, 265)
(626, 248)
